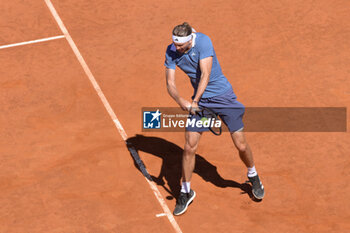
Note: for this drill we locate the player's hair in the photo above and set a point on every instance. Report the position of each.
(182, 30)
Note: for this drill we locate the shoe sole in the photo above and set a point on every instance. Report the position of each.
(189, 202)
(259, 198)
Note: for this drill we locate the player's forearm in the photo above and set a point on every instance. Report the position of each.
(202, 86)
(173, 92)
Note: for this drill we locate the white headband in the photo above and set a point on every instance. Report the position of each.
(181, 39)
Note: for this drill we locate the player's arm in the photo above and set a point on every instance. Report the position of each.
(205, 65)
(172, 90)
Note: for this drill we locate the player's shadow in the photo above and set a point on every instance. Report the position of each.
(171, 169)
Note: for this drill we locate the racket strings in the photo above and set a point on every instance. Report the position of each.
(214, 121)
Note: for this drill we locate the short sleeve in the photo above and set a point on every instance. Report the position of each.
(205, 47)
(169, 58)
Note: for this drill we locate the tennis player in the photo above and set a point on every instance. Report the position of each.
(193, 53)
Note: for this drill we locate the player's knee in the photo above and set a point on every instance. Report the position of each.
(242, 147)
(190, 149)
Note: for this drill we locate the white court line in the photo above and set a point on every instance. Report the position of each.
(32, 42)
(109, 109)
(160, 215)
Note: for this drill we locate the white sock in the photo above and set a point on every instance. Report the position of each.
(186, 187)
(252, 171)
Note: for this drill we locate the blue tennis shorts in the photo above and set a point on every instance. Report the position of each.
(226, 107)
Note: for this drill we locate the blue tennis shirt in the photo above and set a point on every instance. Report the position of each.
(202, 47)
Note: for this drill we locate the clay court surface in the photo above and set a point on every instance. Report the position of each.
(64, 166)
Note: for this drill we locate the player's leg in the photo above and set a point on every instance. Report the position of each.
(188, 163)
(231, 114)
(188, 157)
(246, 155)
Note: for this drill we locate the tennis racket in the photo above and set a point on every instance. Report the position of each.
(206, 114)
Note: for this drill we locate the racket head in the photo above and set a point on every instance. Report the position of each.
(207, 114)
